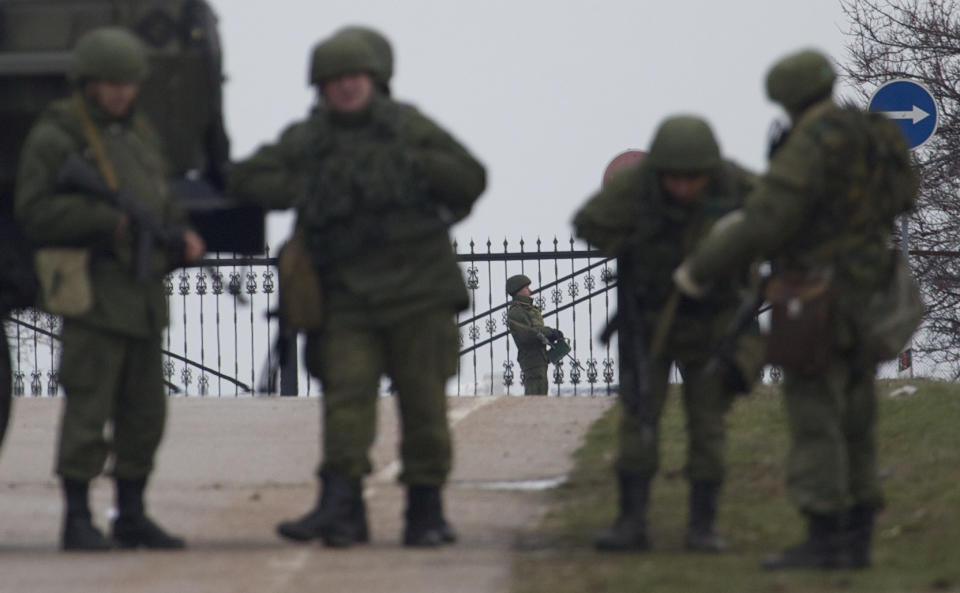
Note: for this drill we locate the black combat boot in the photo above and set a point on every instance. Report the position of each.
(629, 531)
(859, 533)
(823, 547)
(79, 533)
(701, 536)
(425, 523)
(132, 528)
(339, 519)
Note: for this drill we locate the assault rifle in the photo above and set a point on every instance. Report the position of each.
(149, 230)
(750, 307)
(635, 391)
(282, 352)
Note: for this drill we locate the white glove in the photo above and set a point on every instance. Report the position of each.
(686, 284)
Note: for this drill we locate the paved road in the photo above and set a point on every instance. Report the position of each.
(230, 469)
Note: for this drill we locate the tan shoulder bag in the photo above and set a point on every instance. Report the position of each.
(300, 292)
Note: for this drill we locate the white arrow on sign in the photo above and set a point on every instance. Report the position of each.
(916, 114)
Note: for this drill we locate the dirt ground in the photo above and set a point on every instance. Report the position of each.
(230, 469)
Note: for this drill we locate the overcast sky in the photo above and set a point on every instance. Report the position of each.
(543, 93)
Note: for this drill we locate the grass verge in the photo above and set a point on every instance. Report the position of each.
(916, 545)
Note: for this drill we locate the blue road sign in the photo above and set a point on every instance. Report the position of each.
(910, 105)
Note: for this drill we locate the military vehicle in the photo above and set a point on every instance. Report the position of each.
(182, 97)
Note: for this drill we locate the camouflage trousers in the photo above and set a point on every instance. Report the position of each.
(832, 418)
(535, 380)
(705, 402)
(418, 354)
(109, 378)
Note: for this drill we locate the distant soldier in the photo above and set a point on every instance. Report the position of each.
(649, 215)
(376, 185)
(530, 335)
(111, 362)
(823, 214)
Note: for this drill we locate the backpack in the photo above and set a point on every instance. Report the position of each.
(893, 185)
(891, 316)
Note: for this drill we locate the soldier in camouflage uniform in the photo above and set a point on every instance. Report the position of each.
(530, 335)
(376, 185)
(817, 213)
(653, 213)
(110, 367)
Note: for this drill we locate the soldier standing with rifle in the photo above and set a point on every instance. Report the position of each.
(823, 213)
(649, 215)
(114, 313)
(530, 335)
(376, 185)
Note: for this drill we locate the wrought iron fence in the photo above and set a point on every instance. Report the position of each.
(220, 339)
(572, 285)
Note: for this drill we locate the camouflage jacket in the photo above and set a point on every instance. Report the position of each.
(632, 215)
(51, 217)
(526, 326)
(375, 193)
(820, 208)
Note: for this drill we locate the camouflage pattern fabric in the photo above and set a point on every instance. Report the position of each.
(110, 365)
(706, 401)
(122, 303)
(110, 377)
(418, 353)
(375, 192)
(526, 326)
(814, 211)
(389, 176)
(632, 214)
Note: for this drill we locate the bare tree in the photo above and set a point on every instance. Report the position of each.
(920, 40)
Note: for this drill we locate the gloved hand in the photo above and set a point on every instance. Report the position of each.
(555, 335)
(686, 284)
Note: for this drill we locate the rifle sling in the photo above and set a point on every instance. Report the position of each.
(96, 144)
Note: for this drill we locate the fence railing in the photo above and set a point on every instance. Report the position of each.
(219, 342)
(572, 285)
(220, 337)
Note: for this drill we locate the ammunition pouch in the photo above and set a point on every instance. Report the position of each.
(64, 277)
(893, 314)
(801, 314)
(300, 293)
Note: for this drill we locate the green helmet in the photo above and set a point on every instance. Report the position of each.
(684, 144)
(800, 79)
(109, 53)
(516, 283)
(381, 48)
(343, 54)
